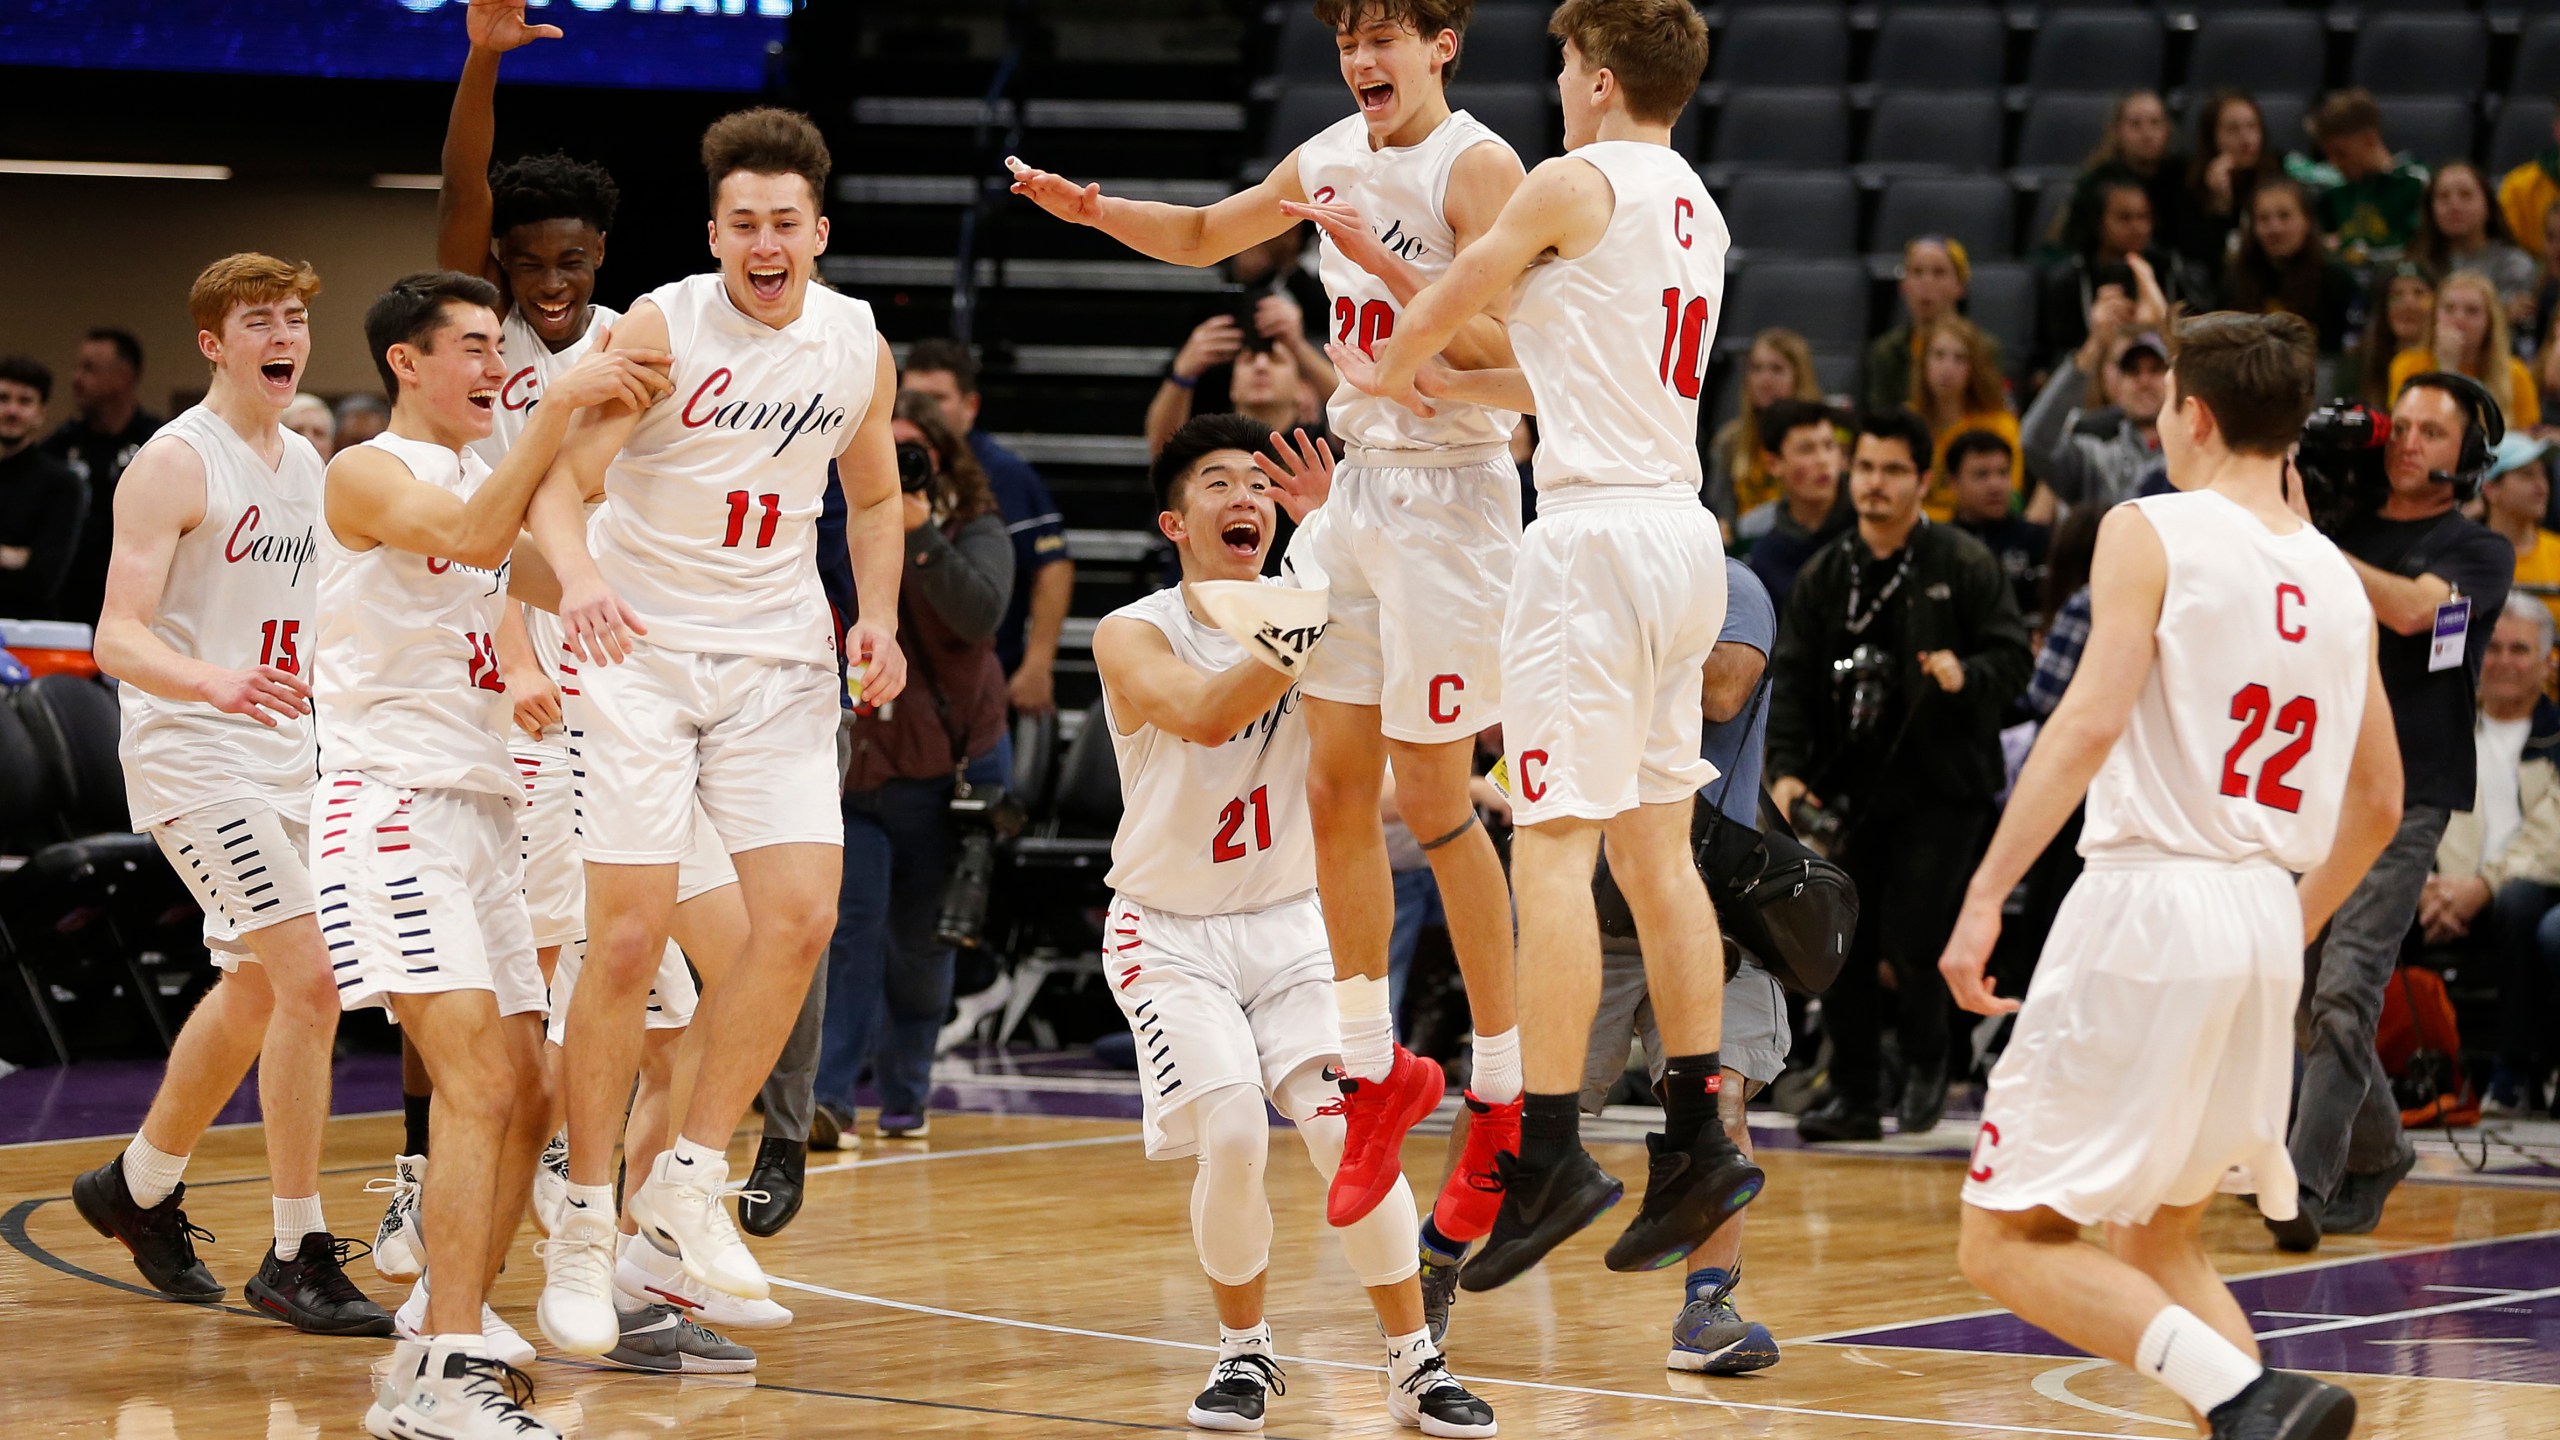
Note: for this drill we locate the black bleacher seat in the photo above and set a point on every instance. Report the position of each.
(1939, 50)
(2051, 199)
(1807, 213)
(2096, 50)
(2537, 71)
(2061, 130)
(2522, 132)
(1973, 209)
(1307, 48)
(1521, 114)
(2422, 55)
(1759, 48)
(2272, 51)
(2435, 129)
(1916, 130)
(1304, 108)
(1507, 43)
(2283, 114)
(1825, 301)
(2002, 300)
(1789, 129)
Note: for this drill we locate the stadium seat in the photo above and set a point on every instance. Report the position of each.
(1973, 209)
(1757, 49)
(1507, 44)
(2422, 55)
(2537, 70)
(1939, 50)
(2277, 51)
(1791, 129)
(2523, 131)
(2096, 50)
(1521, 114)
(1054, 872)
(2283, 114)
(1304, 109)
(2434, 130)
(1916, 130)
(1825, 301)
(1812, 213)
(2002, 300)
(2051, 198)
(1307, 50)
(2062, 129)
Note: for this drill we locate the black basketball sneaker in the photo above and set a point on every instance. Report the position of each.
(1688, 1195)
(1239, 1387)
(1541, 1209)
(1431, 1400)
(311, 1291)
(2280, 1405)
(162, 1238)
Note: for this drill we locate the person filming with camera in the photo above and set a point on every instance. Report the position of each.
(888, 974)
(2438, 582)
(1899, 649)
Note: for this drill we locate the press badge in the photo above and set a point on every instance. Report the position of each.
(2453, 621)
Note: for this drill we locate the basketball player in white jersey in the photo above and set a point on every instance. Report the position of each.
(1420, 557)
(206, 621)
(1617, 604)
(415, 851)
(706, 675)
(2229, 730)
(1217, 950)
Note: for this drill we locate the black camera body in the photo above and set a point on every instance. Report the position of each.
(915, 467)
(2341, 462)
(982, 814)
(1863, 682)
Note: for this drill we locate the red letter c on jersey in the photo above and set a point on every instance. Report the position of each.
(1531, 787)
(1989, 1139)
(1681, 210)
(1445, 684)
(2291, 631)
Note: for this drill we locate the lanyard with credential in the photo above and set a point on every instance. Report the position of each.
(1857, 576)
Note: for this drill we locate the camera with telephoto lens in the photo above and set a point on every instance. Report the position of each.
(2342, 464)
(983, 814)
(915, 467)
(1863, 680)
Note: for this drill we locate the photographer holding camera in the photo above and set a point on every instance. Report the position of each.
(888, 975)
(2438, 582)
(1900, 646)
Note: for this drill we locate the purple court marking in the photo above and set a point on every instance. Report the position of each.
(2484, 1311)
(108, 1097)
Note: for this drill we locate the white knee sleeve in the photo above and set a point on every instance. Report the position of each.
(1383, 1246)
(1230, 1214)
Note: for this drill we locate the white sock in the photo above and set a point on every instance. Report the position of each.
(1256, 1341)
(295, 1219)
(598, 1198)
(2190, 1357)
(151, 1173)
(1496, 1080)
(1405, 1353)
(688, 1154)
(1368, 1031)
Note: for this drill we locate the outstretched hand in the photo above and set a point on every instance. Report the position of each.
(1302, 477)
(1343, 225)
(1360, 370)
(499, 25)
(1060, 196)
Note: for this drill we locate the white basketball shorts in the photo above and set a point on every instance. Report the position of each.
(753, 739)
(246, 862)
(551, 825)
(1619, 599)
(421, 892)
(672, 994)
(1218, 1000)
(2153, 1060)
(1418, 546)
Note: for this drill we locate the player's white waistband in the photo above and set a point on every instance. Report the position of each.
(1450, 457)
(1123, 897)
(2138, 859)
(1572, 494)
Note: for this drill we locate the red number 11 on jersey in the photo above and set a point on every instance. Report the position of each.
(1684, 336)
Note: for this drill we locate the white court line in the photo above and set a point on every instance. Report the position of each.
(2055, 1384)
(2464, 1340)
(1012, 1323)
(1026, 1148)
(2303, 1315)
(2451, 1307)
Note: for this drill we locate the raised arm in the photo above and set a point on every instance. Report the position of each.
(875, 537)
(1193, 235)
(2126, 581)
(463, 203)
(1150, 685)
(160, 499)
(1481, 182)
(1502, 388)
(1563, 207)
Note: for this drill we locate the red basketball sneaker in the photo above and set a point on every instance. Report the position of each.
(1467, 1203)
(1377, 1113)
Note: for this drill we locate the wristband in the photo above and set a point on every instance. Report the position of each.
(1178, 383)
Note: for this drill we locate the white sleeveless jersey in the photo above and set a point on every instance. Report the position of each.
(406, 685)
(239, 594)
(1615, 344)
(531, 367)
(1399, 193)
(2240, 743)
(1210, 830)
(710, 530)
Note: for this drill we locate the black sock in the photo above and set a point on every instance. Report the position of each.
(413, 1111)
(1442, 1249)
(1550, 1128)
(1690, 1084)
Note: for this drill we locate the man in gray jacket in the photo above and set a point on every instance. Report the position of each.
(2099, 457)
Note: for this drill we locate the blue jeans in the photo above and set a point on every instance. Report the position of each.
(1417, 906)
(888, 983)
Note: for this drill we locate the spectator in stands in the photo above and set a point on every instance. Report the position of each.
(2460, 232)
(1269, 377)
(2098, 459)
(1802, 441)
(308, 416)
(2123, 232)
(2470, 336)
(888, 977)
(1044, 574)
(2231, 161)
(1779, 366)
(2526, 193)
(360, 418)
(42, 502)
(2502, 856)
(2281, 265)
(2546, 298)
(2134, 150)
(1898, 650)
(1278, 297)
(2403, 320)
(1982, 490)
(2062, 623)
(1935, 272)
(107, 429)
(1958, 391)
(2368, 200)
(2514, 500)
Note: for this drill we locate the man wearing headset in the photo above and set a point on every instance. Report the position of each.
(2437, 581)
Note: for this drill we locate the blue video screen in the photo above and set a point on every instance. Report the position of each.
(640, 44)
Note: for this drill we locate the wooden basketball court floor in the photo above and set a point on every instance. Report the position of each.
(1032, 1275)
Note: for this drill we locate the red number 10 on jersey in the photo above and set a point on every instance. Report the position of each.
(1684, 342)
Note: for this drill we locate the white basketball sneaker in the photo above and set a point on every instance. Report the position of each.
(398, 1253)
(506, 1343)
(459, 1394)
(551, 1184)
(576, 1310)
(647, 1275)
(680, 1208)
